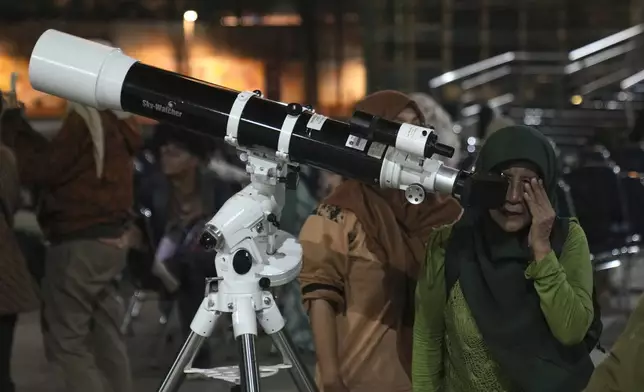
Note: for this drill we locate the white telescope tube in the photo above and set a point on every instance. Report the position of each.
(79, 70)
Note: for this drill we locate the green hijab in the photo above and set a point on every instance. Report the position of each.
(491, 263)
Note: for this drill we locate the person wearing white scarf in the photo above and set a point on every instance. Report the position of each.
(92, 119)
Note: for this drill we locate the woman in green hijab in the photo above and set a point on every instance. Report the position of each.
(505, 299)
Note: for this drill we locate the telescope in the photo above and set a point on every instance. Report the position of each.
(252, 253)
(370, 149)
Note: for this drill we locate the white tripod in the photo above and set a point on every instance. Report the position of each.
(252, 255)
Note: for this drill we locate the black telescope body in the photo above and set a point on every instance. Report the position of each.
(369, 148)
(205, 108)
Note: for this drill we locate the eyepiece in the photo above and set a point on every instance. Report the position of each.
(208, 241)
(210, 238)
(481, 190)
(460, 184)
(443, 150)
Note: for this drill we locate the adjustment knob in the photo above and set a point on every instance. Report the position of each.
(264, 283)
(415, 194)
(208, 241)
(242, 262)
(294, 109)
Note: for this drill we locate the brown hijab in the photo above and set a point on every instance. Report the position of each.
(396, 230)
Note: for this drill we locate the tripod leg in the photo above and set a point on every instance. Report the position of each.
(202, 326)
(248, 369)
(245, 329)
(272, 322)
(299, 372)
(175, 375)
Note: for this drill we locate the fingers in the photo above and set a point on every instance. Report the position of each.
(529, 197)
(536, 190)
(537, 199)
(540, 189)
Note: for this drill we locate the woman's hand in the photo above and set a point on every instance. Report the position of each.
(543, 217)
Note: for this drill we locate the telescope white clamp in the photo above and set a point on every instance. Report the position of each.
(285, 137)
(232, 126)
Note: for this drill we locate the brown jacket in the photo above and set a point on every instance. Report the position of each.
(345, 265)
(623, 368)
(339, 268)
(17, 288)
(74, 201)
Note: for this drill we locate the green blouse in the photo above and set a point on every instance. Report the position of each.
(449, 354)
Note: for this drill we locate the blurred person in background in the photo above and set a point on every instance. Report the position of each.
(505, 299)
(361, 253)
(17, 287)
(83, 177)
(227, 165)
(180, 199)
(490, 120)
(440, 120)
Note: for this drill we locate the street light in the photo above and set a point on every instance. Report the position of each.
(190, 16)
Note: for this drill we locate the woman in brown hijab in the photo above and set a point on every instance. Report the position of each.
(362, 250)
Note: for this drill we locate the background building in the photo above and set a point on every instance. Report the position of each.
(326, 53)
(415, 40)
